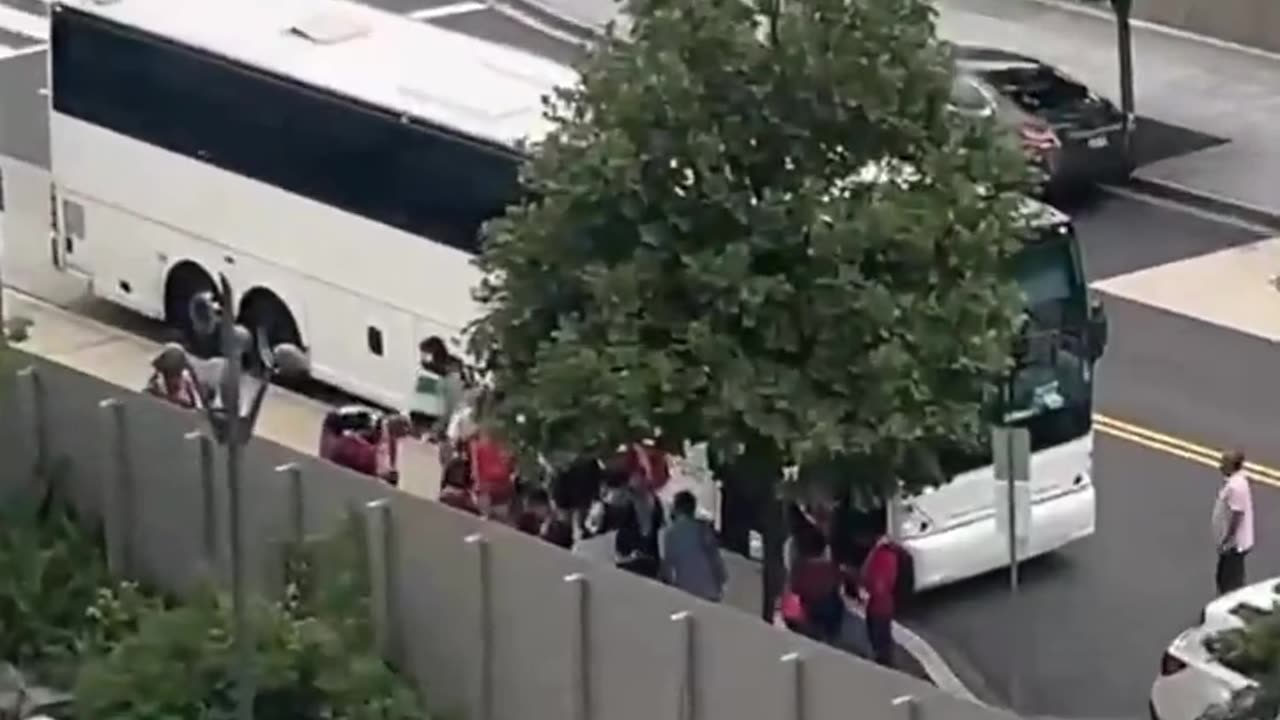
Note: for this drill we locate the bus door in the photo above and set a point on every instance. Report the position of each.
(70, 250)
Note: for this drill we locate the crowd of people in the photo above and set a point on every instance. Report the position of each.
(608, 507)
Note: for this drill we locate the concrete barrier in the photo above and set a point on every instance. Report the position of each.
(487, 620)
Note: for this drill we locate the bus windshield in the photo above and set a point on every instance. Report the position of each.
(1051, 365)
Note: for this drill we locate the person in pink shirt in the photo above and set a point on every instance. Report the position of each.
(1232, 522)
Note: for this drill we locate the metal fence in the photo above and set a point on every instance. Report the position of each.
(490, 623)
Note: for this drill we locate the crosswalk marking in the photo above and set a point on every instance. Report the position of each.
(17, 21)
(1233, 288)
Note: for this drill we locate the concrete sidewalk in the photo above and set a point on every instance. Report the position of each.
(1198, 84)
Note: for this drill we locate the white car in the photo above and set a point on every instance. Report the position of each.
(1191, 680)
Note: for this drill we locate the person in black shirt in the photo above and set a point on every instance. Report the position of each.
(643, 518)
(575, 488)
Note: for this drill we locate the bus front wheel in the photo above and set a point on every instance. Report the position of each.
(190, 297)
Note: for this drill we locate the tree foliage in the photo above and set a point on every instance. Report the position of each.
(1254, 652)
(756, 225)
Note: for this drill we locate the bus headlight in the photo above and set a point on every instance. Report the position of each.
(915, 522)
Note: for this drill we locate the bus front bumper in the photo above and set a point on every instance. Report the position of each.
(978, 547)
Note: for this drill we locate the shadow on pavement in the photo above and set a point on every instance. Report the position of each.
(1154, 141)
(931, 612)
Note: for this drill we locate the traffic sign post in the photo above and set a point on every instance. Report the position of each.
(1011, 457)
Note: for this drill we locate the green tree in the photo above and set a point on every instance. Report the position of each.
(757, 225)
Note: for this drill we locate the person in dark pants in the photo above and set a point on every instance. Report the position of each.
(637, 544)
(576, 487)
(878, 583)
(1232, 523)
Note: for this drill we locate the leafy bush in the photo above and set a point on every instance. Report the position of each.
(312, 658)
(1253, 650)
(58, 601)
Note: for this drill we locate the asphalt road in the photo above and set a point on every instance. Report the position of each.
(1094, 619)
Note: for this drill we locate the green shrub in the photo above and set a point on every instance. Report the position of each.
(312, 655)
(1253, 650)
(57, 601)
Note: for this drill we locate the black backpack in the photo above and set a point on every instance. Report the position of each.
(904, 587)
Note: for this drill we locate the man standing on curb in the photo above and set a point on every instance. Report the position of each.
(1232, 522)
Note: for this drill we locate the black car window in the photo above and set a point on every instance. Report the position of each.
(1036, 87)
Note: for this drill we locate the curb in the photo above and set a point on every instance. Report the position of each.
(1202, 200)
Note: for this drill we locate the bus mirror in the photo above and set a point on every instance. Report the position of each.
(1098, 328)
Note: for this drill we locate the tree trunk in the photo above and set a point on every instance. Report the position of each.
(774, 533)
(736, 516)
(749, 501)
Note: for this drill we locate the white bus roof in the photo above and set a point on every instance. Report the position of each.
(490, 91)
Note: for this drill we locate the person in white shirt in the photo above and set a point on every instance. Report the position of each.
(1232, 522)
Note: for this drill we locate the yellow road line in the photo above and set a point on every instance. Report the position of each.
(1177, 447)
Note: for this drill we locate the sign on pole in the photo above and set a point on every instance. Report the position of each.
(1011, 456)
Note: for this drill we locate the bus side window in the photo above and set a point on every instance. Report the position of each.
(374, 340)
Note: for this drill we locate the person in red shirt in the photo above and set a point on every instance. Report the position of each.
(877, 589)
(492, 474)
(648, 459)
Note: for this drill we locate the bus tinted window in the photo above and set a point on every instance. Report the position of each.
(338, 152)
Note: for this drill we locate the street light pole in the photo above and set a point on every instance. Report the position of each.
(233, 436)
(1124, 50)
(233, 427)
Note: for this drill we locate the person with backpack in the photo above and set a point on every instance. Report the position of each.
(884, 584)
(813, 602)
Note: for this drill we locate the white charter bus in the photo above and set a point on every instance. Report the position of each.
(333, 160)
(336, 161)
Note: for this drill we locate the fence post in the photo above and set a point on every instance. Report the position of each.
(684, 669)
(208, 500)
(482, 702)
(118, 510)
(380, 539)
(297, 502)
(578, 636)
(38, 405)
(907, 707)
(792, 687)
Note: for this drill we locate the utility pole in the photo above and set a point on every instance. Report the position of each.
(1124, 51)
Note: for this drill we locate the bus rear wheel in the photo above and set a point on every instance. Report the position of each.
(270, 324)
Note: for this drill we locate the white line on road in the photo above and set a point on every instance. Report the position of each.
(459, 8)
